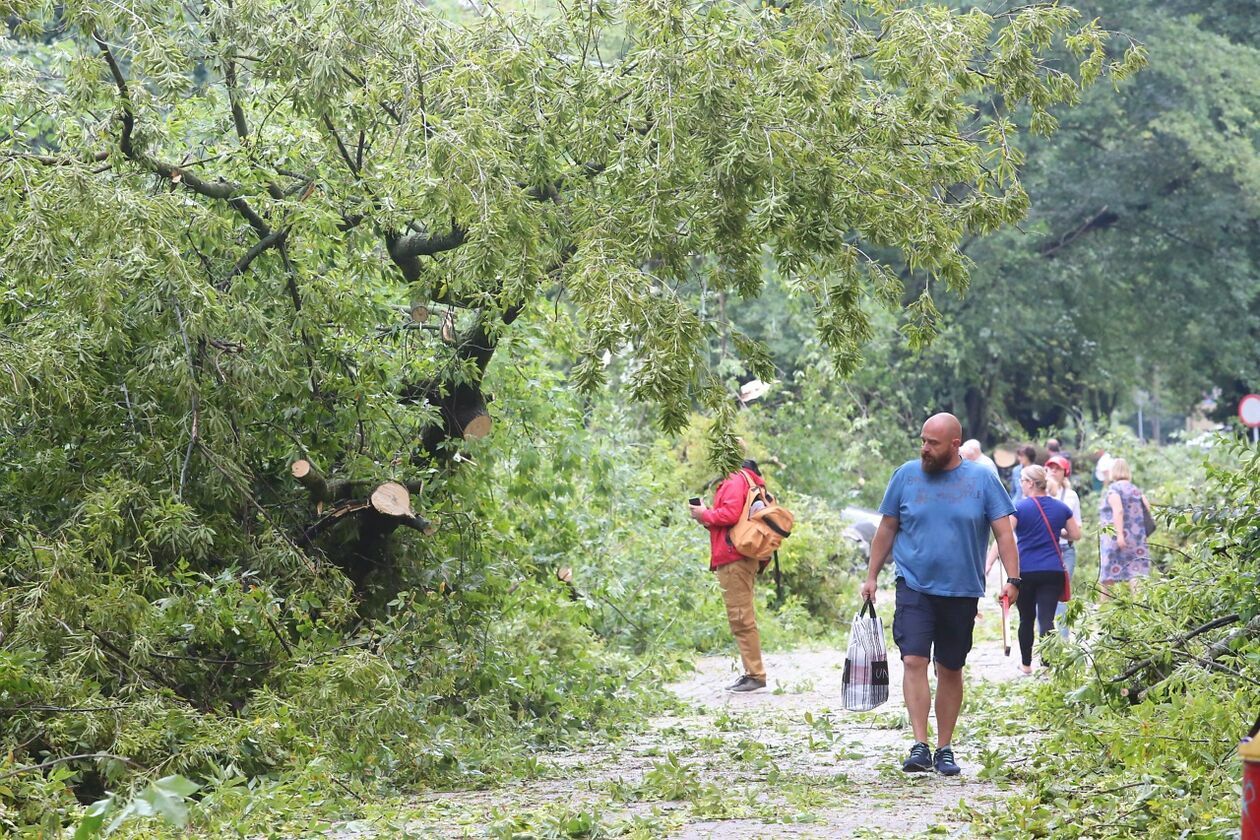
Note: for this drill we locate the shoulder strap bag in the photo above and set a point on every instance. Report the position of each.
(1066, 594)
(1148, 521)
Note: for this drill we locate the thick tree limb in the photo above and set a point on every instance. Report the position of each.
(330, 519)
(341, 147)
(275, 239)
(1209, 659)
(1222, 621)
(59, 160)
(221, 189)
(1218, 649)
(120, 81)
(238, 113)
(321, 489)
(59, 710)
(405, 249)
(425, 244)
(1102, 218)
(211, 661)
(386, 509)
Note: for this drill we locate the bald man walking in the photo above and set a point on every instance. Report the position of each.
(938, 512)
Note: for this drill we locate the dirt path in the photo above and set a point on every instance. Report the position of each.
(787, 761)
(871, 796)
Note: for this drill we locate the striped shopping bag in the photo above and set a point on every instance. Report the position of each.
(865, 683)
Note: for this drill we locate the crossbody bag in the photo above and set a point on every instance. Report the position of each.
(1066, 594)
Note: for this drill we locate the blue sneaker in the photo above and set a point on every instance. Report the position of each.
(920, 759)
(945, 764)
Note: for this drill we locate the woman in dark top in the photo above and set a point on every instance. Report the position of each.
(1038, 521)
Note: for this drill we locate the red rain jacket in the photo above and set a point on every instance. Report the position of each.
(728, 504)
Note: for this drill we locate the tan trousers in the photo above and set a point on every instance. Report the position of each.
(736, 580)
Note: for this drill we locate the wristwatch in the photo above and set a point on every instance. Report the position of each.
(1015, 581)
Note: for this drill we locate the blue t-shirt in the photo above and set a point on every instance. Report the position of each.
(944, 523)
(1037, 553)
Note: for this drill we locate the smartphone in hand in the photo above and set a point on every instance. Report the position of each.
(695, 500)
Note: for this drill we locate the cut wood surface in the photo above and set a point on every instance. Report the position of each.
(392, 499)
(308, 475)
(478, 426)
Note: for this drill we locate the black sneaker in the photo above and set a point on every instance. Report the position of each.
(920, 760)
(747, 683)
(944, 761)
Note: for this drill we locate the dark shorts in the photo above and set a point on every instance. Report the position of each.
(925, 624)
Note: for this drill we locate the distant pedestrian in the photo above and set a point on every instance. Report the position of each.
(1123, 553)
(1102, 470)
(1025, 456)
(736, 574)
(1039, 521)
(1053, 447)
(1059, 486)
(937, 513)
(972, 452)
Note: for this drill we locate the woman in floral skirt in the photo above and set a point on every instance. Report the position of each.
(1123, 554)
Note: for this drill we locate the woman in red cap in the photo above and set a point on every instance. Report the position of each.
(1059, 486)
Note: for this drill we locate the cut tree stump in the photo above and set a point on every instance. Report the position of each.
(391, 499)
(478, 426)
(308, 475)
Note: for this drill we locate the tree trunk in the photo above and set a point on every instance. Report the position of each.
(461, 405)
(977, 414)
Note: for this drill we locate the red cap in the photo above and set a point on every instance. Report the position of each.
(1060, 462)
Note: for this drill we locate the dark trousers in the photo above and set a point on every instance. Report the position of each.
(1038, 598)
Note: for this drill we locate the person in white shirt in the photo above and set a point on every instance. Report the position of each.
(1102, 471)
(971, 451)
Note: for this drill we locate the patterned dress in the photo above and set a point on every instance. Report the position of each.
(1134, 560)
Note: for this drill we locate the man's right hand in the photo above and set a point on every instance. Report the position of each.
(868, 591)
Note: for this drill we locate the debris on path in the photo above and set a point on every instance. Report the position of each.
(787, 761)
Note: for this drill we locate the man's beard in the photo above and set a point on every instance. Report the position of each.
(932, 464)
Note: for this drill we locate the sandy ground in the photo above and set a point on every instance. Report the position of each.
(789, 758)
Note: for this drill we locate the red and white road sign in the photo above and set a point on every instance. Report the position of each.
(1249, 410)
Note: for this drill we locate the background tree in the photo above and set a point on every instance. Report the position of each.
(1136, 267)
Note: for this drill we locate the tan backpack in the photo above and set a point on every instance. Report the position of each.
(760, 533)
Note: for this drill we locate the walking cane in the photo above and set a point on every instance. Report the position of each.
(778, 581)
(1006, 613)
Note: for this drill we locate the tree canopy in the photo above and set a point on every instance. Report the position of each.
(1135, 271)
(255, 174)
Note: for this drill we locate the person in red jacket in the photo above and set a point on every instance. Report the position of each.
(736, 574)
